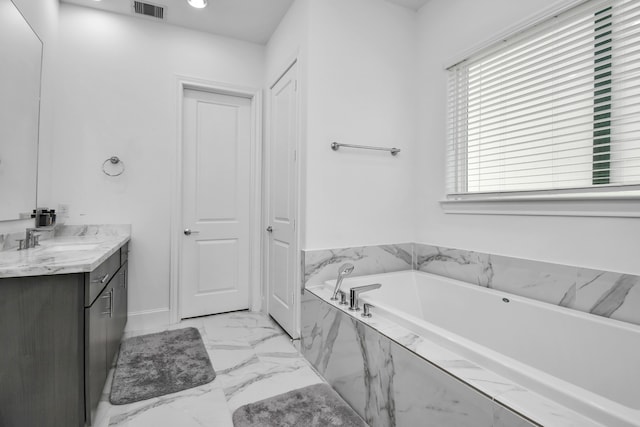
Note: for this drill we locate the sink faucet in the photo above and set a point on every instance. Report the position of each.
(343, 271)
(31, 239)
(356, 291)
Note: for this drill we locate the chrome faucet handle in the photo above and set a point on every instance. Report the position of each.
(366, 312)
(343, 298)
(31, 238)
(353, 300)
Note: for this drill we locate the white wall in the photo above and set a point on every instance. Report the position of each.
(289, 42)
(117, 95)
(449, 28)
(362, 78)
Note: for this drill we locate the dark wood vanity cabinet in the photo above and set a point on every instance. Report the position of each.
(58, 338)
(42, 351)
(105, 319)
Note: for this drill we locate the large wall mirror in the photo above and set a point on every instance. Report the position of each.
(20, 74)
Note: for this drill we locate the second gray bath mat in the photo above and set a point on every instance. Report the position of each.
(157, 364)
(317, 405)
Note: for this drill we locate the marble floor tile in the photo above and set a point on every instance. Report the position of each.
(276, 345)
(253, 358)
(194, 407)
(261, 384)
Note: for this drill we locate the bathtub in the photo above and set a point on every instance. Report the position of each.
(583, 362)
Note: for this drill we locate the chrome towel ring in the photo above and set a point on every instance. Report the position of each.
(112, 163)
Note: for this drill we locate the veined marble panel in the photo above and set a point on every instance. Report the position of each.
(503, 417)
(606, 294)
(322, 265)
(107, 230)
(393, 377)
(385, 383)
(9, 241)
(71, 250)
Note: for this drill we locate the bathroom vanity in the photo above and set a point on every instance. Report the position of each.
(63, 309)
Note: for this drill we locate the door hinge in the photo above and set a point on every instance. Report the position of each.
(295, 85)
(294, 224)
(295, 155)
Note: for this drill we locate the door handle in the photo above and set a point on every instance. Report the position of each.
(270, 229)
(189, 232)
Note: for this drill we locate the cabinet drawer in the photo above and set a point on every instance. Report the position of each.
(100, 277)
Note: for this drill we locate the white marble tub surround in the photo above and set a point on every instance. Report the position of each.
(551, 350)
(384, 382)
(320, 265)
(603, 293)
(326, 346)
(73, 249)
(607, 294)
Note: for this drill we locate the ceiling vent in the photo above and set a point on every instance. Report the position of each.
(148, 9)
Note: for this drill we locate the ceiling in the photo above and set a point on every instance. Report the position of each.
(249, 20)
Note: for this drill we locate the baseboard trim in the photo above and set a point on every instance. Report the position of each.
(148, 319)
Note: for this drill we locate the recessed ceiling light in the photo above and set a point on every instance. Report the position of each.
(198, 4)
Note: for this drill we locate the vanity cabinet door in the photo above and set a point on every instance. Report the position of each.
(41, 351)
(118, 318)
(105, 320)
(96, 365)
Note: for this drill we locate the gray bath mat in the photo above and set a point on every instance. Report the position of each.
(157, 364)
(317, 405)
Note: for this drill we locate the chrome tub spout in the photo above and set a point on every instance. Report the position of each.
(356, 291)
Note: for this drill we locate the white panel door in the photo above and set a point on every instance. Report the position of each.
(216, 192)
(281, 193)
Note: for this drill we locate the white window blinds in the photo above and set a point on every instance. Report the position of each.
(554, 107)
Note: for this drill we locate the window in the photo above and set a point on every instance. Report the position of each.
(554, 108)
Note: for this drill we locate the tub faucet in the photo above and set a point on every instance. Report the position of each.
(356, 291)
(343, 271)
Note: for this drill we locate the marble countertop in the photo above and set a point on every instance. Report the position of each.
(500, 389)
(71, 249)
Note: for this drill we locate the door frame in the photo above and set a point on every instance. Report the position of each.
(297, 179)
(255, 223)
